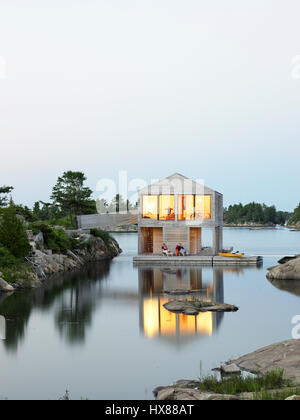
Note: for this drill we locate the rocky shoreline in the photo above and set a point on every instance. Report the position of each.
(249, 225)
(282, 356)
(43, 263)
(288, 269)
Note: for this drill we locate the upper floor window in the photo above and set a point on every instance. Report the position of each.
(203, 207)
(166, 207)
(186, 207)
(190, 207)
(150, 207)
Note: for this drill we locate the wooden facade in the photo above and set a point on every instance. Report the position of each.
(177, 210)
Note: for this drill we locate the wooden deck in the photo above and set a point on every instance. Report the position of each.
(197, 260)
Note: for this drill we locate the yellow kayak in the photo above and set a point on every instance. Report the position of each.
(229, 255)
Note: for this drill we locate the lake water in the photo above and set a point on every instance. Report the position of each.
(103, 333)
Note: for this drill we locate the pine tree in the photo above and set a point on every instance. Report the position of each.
(4, 191)
(72, 196)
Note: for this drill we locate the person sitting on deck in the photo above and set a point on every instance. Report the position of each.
(182, 251)
(165, 250)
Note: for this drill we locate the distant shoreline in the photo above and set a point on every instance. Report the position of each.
(134, 228)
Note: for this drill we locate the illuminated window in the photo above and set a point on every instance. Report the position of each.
(166, 207)
(186, 207)
(150, 209)
(203, 207)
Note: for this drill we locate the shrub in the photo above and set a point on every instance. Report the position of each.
(55, 239)
(62, 221)
(237, 384)
(6, 258)
(12, 233)
(105, 236)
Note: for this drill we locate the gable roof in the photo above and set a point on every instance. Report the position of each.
(177, 183)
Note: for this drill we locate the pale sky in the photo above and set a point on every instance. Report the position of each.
(203, 88)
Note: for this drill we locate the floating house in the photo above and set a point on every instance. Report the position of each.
(173, 211)
(179, 210)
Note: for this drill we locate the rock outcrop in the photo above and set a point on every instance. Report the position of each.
(288, 271)
(280, 356)
(92, 249)
(196, 306)
(188, 394)
(284, 355)
(43, 263)
(293, 398)
(4, 286)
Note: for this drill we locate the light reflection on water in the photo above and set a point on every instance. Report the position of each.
(157, 322)
(104, 333)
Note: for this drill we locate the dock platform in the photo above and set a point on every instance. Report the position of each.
(197, 260)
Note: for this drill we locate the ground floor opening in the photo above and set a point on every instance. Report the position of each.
(195, 240)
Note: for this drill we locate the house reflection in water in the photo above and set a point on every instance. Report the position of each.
(156, 321)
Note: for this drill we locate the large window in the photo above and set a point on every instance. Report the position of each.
(150, 207)
(203, 207)
(190, 207)
(166, 207)
(186, 207)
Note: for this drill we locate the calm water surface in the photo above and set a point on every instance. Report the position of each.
(103, 333)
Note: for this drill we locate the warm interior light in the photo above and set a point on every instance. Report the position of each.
(150, 207)
(203, 206)
(186, 207)
(166, 207)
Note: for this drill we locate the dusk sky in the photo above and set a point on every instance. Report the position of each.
(209, 89)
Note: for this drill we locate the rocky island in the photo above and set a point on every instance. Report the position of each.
(49, 255)
(288, 269)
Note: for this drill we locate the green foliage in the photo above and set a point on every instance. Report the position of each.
(72, 197)
(20, 273)
(237, 384)
(254, 213)
(281, 395)
(55, 239)
(105, 236)
(62, 221)
(295, 217)
(12, 233)
(6, 258)
(25, 212)
(46, 211)
(3, 192)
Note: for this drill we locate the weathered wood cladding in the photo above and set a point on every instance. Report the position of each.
(187, 232)
(195, 241)
(174, 235)
(157, 240)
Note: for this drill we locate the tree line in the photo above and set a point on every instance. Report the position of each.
(255, 213)
(295, 219)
